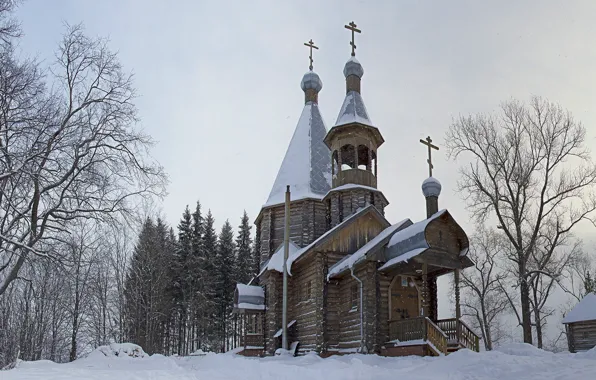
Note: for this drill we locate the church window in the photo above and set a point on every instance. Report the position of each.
(373, 162)
(372, 198)
(354, 296)
(308, 290)
(363, 157)
(340, 208)
(348, 157)
(334, 164)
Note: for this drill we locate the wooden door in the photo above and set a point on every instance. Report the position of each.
(404, 298)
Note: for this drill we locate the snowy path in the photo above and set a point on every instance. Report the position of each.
(517, 362)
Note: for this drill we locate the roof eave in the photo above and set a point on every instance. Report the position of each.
(375, 131)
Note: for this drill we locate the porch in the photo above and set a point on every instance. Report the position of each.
(421, 336)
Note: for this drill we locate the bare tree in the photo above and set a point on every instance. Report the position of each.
(9, 27)
(518, 176)
(577, 278)
(67, 153)
(483, 301)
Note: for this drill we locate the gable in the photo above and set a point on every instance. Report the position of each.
(348, 236)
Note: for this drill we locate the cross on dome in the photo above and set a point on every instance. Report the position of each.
(311, 45)
(352, 26)
(428, 142)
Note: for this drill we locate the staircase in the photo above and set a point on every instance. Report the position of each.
(459, 335)
(441, 338)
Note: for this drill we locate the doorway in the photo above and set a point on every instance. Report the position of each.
(404, 300)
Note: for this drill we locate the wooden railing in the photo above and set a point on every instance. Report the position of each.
(460, 333)
(254, 340)
(419, 328)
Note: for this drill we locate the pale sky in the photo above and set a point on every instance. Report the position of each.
(219, 81)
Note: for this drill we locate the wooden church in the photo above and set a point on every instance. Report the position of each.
(356, 281)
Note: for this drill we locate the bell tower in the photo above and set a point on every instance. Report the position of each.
(354, 142)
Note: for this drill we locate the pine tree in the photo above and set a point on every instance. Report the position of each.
(244, 265)
(224, 290)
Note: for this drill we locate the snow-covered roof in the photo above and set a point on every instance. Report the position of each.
(306, 166)
(353, 110)
(276, 262)
(296, 255)
(249, 297)
(402, 258)
(409, 238)
(350, 260)
(352, 186)
(585, 310)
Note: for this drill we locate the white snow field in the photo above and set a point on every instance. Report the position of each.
(518, 361)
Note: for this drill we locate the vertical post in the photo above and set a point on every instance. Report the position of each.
(457, 306)
(284, 316)
(245, 328)
(424, 289)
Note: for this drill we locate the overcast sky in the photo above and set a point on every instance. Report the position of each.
(220, 81)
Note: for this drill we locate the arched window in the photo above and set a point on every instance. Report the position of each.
(373, 162)
(334, 164)
(348, 157)
(363, 157)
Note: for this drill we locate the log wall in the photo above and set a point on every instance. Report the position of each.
(344, 203)
(308, 221)
(581, 336)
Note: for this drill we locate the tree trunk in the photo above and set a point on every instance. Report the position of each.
(525, 305)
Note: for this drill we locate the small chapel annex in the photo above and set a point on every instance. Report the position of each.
(357, 282)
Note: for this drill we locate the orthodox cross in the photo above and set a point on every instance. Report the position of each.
(352, 26)
(428, 143)
(311, 45)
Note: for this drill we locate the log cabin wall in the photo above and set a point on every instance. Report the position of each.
(305, 302)
(581, 336)
(349, 315)
(346, 305)
(334, 310)
(383, 291)
(345, 203)
(307, 222)
(273, 284)
(372, 319)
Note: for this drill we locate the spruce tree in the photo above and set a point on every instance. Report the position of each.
(209, 245)
(224, 291)
(244, 265)
(180, 277)
(148, 293)
(197, 279)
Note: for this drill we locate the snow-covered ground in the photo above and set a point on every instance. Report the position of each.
(519, 362)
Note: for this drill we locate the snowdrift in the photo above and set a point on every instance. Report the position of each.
(118, 350)
(129, 361)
